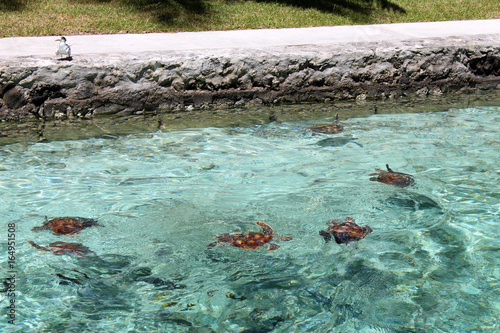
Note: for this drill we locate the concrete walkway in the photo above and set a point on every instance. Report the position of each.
(245, 39)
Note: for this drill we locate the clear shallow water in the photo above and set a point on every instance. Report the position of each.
(431, 263)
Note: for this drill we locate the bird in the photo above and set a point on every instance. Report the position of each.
(63, 49)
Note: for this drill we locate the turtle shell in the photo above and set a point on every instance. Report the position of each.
(327, 129)
(66, 225)
(333, 128)
(63, 247)
(391, 177)
(345, 232)
(250, 241)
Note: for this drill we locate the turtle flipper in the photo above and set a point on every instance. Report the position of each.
(326, 235)
(279, 238)
(38, 247)
(213, 244)
(367, 229)
(342, 237)
(333, 222)
(272, 247)
(266, 229)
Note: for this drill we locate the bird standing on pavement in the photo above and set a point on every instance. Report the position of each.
(63, 49)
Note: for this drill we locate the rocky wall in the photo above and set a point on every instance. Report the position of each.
(32, 88)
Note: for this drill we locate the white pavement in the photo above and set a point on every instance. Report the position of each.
(83, 45)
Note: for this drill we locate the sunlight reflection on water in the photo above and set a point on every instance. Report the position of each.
(431, 263)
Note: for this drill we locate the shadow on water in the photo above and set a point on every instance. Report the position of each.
(412, 201)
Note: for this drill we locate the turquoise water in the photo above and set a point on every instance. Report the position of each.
(430, 265)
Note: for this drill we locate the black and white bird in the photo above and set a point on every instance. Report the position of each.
(63, 49)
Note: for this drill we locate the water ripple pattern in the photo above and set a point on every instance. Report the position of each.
(431, 264)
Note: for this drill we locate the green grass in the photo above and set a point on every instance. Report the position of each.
(71, 17)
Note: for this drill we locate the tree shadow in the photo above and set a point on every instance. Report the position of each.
(12, 5)
(165, 11)
(174, 12)
(350, 8)
(168, 10)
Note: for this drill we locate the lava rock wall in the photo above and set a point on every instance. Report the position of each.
(32, 88)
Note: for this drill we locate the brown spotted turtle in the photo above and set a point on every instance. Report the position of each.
(333, 128)
(345, 232)
(66, 225)
(392, 178)
(64, 248)
(251, 240)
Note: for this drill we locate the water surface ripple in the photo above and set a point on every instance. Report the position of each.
(431, 264)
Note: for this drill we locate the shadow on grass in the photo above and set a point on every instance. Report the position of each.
(12, 5)
(340, 7)
(168, 10)
(350, 8)
(182, 12)
(165, 11)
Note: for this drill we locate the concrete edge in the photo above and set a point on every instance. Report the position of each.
(385, 62)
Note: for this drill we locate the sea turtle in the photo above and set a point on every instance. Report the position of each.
(345, 232)
(333, 128)
(392, 178)
(251, 240)
(66, 225)
(63, 248)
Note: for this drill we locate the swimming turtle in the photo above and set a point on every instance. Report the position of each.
(66, 225)
(392, 178)
(345, 232)
(333, 128)
(251, 240)
(63, 248)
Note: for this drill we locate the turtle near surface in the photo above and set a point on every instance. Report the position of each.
(345, 232)
(66, 225)
(333, 128)
(252, 240)
(391, 177)
(64, 248)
